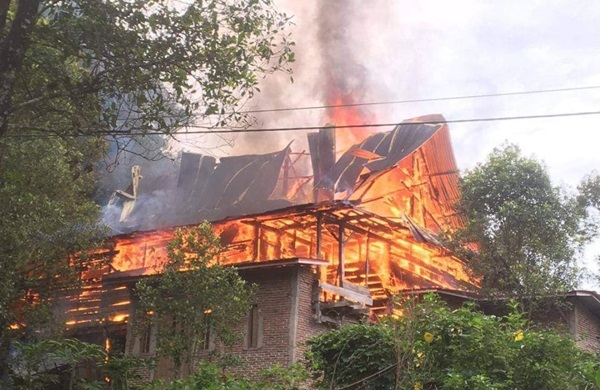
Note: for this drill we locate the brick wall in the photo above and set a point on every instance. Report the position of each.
(570, 317)
(285, 299)
(274, 299)
(587, 328)
(308, 295)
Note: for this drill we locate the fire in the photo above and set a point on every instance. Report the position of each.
(107, 348)
(343, 113)
(385, 258)
(141, 250)
(423, 186)
(378, 238)
(119, 318)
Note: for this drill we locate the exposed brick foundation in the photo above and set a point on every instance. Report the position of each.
(587, 328)
(285, 297)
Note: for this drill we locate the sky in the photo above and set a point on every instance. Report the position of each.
(404, 50)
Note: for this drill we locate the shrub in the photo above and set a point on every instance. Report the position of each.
(433, 347)
(211, 376)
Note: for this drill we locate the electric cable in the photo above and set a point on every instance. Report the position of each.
(309, 128)
(461, 97)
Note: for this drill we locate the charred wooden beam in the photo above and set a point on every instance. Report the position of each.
(367, 261)
(322, 154)
(451, 172)
(341, 242)
(256, 243)
(319, 238)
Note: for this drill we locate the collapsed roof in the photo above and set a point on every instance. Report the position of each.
(371, 216)
(408, 172)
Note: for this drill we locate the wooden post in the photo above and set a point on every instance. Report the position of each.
(278, 245)
(322, 270)
(256, 242)
(319, 242)
(322, 154)
(341, 270)
(367, 261)
(286, 175)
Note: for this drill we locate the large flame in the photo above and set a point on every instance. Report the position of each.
(384, 259)
(385, 244)
(344, 111)
(385, 265)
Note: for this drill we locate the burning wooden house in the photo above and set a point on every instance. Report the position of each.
(324, 248)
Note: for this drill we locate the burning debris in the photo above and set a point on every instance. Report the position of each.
(372, 216)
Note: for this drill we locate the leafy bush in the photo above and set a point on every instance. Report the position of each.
(210, 376)
(351, 353)
(433, 347)
(48, 363)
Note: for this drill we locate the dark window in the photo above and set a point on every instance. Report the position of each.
(146, 339)
(254, 328)
(207, 336)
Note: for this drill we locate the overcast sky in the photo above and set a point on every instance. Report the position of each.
(431, 49)
(404, 49)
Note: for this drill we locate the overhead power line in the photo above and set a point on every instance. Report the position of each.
(308, 128)
(406, 101)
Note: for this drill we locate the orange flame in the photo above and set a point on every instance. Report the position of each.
(385, 263)
(344, 112)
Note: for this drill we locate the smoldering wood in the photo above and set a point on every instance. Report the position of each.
(322, 153)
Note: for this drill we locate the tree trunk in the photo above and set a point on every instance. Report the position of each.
(4, 354)
(12, 53)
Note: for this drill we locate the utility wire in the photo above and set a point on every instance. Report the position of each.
(308, 128)
(463, 97)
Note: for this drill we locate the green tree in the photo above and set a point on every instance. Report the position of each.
(193, 297)
(143, 65)
(346, 356)
(589, 190)
(45, 215)
(75, 72)
(522, 235)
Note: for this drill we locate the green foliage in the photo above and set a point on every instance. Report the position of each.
(34, 365)
(124, 370)
(192, 296)
(433, 347)
(283, 378)
(143, 65)
(527, 232)
(210, 376)
(589, 191)
(97, 68)
(353, 352)
(45, 215)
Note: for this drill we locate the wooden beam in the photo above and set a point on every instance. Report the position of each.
(367, 261)
(319, 235)
(341, 242)
(286, 175)
(443, 173)
(346, 293)
(360, 230)
(256, 242)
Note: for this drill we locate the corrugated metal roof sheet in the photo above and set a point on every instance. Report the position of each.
(391, 148)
